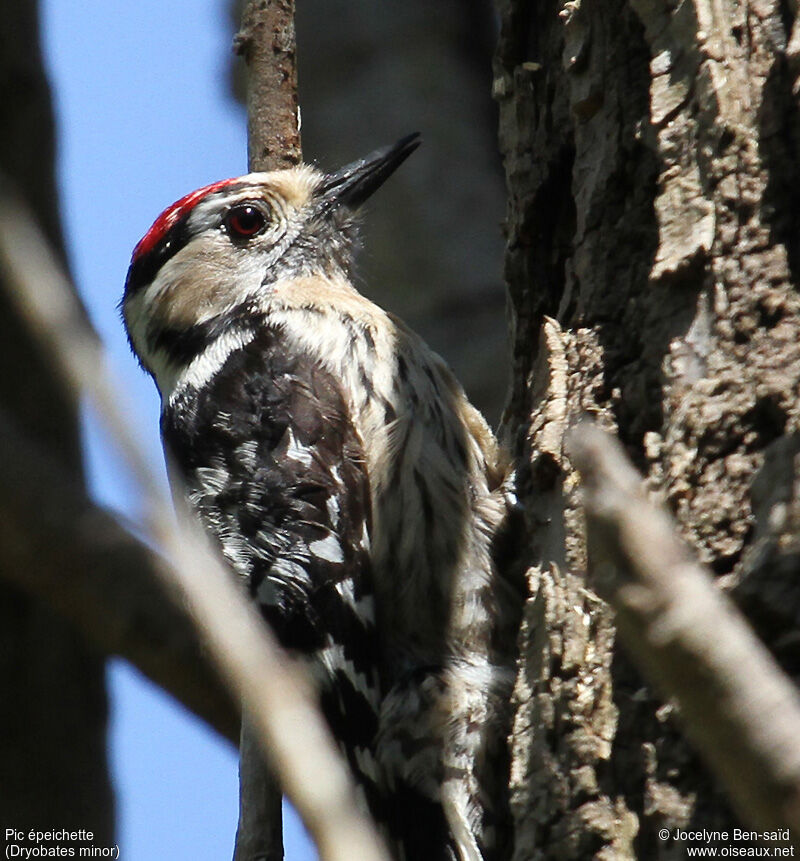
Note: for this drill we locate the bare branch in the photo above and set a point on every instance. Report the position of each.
(738, 707)
(259, 835)
(266, 40)
(273, 691)
(78, 560)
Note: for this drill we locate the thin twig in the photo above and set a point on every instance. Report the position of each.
(266, 40)
(738, 707)
(274, 692)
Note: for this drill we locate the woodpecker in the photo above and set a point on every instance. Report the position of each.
(345, 477)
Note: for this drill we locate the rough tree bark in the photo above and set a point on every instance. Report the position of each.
(650, 152)
(267, 43)
(53, 771)
(736, 705)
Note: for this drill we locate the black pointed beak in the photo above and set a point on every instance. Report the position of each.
(353, 184)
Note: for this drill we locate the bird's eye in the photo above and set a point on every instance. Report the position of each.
(244, 221)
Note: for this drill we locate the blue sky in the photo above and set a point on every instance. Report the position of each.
(144, 116)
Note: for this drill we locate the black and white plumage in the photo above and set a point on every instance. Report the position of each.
(345, 476)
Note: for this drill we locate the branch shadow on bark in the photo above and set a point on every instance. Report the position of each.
(672, 319)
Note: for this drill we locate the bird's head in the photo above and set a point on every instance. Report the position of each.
(217, 250)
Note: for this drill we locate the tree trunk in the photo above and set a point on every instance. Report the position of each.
(650, 153)
(53, 770)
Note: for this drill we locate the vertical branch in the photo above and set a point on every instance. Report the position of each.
(266, 40)
(259, 834)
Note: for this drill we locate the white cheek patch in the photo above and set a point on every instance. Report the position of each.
(136, 311)
(202, 369)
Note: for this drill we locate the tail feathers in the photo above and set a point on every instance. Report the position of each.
(440, 731)
(429, 759)
(417, 828)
